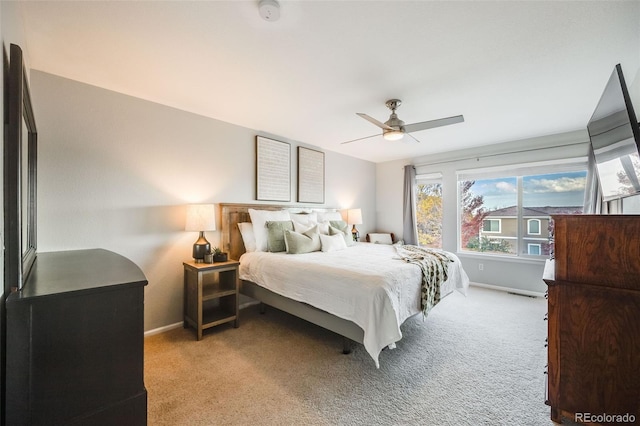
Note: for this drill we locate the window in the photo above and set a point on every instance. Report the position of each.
(506, 210)
(533, 227)
(429, 210)
(491, 225)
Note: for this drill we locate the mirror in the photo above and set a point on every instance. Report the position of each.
(20, 185)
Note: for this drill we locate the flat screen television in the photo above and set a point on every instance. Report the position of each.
(615, 138)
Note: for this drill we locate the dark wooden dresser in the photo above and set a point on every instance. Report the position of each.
(74, 353)
(594, 319)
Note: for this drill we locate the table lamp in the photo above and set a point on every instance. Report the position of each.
(354, 217)
(201, 218)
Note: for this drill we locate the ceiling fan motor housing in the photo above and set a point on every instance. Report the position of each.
(393, 120)
(398, 125)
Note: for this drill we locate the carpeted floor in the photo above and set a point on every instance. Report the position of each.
(477, 360)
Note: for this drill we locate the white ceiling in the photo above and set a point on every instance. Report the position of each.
(514, 69)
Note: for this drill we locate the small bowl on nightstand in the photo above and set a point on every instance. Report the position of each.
(220, 257)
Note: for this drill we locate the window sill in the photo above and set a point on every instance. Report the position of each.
(501, 258)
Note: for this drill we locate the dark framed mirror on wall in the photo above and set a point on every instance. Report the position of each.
(20, 176)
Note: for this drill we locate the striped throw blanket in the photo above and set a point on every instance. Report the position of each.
(435, 267)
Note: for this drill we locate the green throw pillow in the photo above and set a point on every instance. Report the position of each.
(275, 234)
(340, 226)
(306, 242)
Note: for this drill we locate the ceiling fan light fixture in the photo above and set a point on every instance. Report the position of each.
(393, 135)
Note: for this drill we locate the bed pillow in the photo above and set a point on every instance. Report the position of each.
(340, 226)
(323, 227)
(275, 234)
(305, 219)
(259, 219)
(327, 216)
(332, 242)
(305, 242)
(249, 240)
(380, 238)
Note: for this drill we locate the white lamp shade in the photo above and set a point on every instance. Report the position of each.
(354, 216)
(201, 217)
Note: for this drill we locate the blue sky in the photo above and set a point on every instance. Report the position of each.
(556, 189)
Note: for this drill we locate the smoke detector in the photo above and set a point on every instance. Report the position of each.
(269, 10)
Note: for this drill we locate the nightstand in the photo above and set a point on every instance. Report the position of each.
(211, 294)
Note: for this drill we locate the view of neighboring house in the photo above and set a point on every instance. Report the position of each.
(501, 226)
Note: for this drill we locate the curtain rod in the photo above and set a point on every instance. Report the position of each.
(478, 157)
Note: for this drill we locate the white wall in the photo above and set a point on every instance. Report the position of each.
(116, 171)
(521, 274)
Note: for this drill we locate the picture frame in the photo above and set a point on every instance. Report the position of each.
(20, 177)
(310, 176)
(273, 170)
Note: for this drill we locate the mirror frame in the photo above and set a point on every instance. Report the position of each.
(20, 253)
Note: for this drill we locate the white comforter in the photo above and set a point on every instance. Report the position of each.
(366, 283)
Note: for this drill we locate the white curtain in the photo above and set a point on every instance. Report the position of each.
(409, 229)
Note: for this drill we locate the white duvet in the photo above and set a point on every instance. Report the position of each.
(365, 283)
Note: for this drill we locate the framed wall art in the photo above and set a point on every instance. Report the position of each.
(273, 170)
(310, 176)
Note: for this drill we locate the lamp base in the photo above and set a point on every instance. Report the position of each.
(200, 248)
(355, 233)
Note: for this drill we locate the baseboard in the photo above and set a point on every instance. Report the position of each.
(508, 289)
(159, 330)
(163, 329)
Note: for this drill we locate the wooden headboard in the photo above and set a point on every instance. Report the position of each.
(232, 214)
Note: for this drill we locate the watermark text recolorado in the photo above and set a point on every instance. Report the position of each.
(604, 418)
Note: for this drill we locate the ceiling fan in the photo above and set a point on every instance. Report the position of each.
(394, 129)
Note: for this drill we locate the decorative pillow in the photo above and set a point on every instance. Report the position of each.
(304, 221)
(332, 242)
(380, 238)
(249, 240)
(306, 242)
(323, 227)
(340, 226)
(327, 216)
(275, 234)
(259, 218)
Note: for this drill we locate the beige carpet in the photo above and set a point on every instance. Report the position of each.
(477, 360)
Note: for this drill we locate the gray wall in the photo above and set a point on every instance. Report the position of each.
(115, 172)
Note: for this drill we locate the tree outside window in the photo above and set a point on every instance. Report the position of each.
(429, 214)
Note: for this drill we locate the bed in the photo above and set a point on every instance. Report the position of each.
(364, 292)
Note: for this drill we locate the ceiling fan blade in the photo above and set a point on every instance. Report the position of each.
(374, 121)
(359, 139)
(433, 123)
(413, 137)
